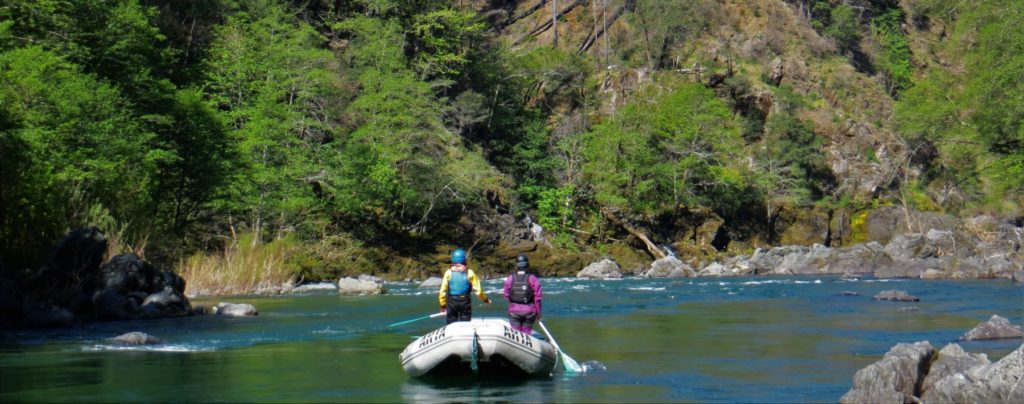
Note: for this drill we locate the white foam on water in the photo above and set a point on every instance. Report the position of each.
(581, 287)
(647, 288)
(149, 348)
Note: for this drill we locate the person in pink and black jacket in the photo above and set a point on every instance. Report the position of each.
(523, 292)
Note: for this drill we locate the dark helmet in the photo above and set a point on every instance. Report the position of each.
(459, 256)
(522, 262)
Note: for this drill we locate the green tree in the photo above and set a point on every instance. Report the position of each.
(268, 72)
(893, 58)
(845, 27)
(74, 143)
(663, 152)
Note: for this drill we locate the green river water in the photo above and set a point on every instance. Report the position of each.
(793, 339)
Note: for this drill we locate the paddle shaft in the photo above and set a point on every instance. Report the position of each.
(435, 315)
(567, 361)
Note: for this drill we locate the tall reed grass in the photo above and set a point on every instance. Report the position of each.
(244, 266)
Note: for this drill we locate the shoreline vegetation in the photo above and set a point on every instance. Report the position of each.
(248, 144)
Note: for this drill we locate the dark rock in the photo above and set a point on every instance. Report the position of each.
(127, 272)
(896, 295)
(995, 328)
(69, 271)
(41, 315)
(136, 338)
(998, 382)
(849, 293)
(234, 310)
(893, 379)
(113, 305)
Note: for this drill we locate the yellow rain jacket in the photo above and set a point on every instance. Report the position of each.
(474, 284)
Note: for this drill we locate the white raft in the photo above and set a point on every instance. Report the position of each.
(482, 346)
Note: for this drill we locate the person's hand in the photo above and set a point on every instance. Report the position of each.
(443, 309)
(487, 300)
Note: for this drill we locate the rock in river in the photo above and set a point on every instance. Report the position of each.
(995, 328)
(896, 295)
(602, 269)
(234, 310)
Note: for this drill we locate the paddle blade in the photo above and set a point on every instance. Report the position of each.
(570, 364)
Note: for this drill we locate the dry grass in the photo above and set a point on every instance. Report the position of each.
(245, 265)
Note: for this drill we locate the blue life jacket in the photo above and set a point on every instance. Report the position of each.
(458, 283)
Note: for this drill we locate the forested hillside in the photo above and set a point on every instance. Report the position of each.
(323, 137)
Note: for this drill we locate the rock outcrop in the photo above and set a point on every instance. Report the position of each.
(894, 378)
(995, 328)
(75, 286)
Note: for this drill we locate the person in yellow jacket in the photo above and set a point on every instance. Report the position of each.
(458, 282)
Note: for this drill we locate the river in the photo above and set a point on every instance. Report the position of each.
(778, 339)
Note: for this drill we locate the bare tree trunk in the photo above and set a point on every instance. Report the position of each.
(589, 41)
(526, 13)
(548, 24)
(651, 248)
(554, 22)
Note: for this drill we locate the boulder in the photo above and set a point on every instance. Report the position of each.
(234, 310)
(715, 269)
(352, 286)
(896, 295)
(859, 259)
(907, 246)
(998, 382)
(315, 287)
(894, 378)
(166, 303)
(995, 328)
(431, 282)
(669, 267)
(951, 360)
(136, 338)
(603, 269)
(369, 278)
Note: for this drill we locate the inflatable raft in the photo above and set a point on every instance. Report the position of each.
(482, 346)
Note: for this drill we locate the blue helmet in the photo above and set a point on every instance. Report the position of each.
(459, 256)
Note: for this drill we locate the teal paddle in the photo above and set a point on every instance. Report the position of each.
(435, 315)
(569, 363)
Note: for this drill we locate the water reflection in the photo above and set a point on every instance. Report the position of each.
(470, 389)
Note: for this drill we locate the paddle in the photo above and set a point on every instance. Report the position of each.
(435, 315)
(569, 363)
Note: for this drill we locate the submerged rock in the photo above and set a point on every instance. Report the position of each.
(603, 269)
(234, 309)
(896, 295)
(995, 328)
(136, 338)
